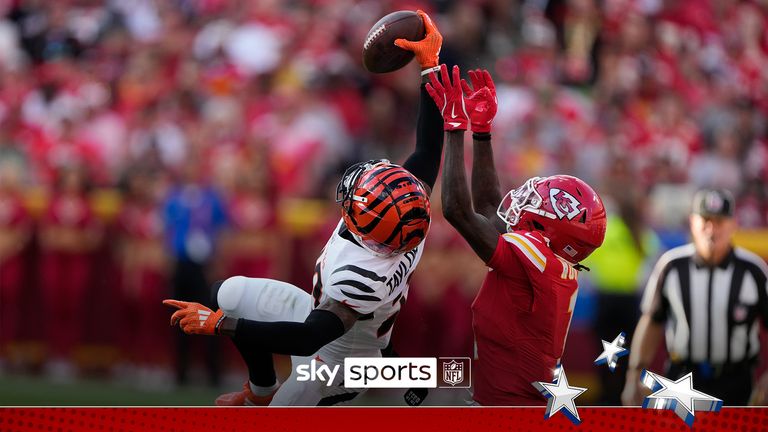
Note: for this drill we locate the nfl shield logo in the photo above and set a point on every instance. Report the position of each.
(453, 372)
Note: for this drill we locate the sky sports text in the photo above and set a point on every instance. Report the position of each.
(402, 372)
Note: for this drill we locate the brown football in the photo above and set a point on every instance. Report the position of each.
(380, 54)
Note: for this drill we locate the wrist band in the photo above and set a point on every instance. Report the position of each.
(481, 136)
(426, 72)
(217, 328)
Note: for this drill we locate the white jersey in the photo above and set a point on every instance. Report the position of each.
(374, 286)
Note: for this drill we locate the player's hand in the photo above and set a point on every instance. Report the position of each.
(634, 391)
(427, 50)
(194, 318)
(449, 98)
(482, 106)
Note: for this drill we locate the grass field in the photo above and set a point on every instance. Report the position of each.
(35, 391)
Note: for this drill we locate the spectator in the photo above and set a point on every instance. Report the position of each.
(144, 269)
(15, 235)
(193, 216)
(69, 233)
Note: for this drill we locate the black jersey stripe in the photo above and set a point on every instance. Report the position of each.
(362, 272)
(361, 297)
(386, 326)
(737, 281)
(356, 284)
(397, 298)
(366, 317)
(684, 276)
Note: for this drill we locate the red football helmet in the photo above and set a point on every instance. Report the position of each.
(565, 209)
(384, 206)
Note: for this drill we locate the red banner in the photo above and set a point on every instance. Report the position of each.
(367, 419)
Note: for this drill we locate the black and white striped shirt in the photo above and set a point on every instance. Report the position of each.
(712, 314)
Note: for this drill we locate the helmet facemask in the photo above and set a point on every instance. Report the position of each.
(375, 247)
(346, 187)
(524, 198)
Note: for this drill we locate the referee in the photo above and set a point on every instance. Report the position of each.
(710, 297)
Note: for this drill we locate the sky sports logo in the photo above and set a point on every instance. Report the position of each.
(397, 372)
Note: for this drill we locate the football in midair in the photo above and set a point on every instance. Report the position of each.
(380, 55)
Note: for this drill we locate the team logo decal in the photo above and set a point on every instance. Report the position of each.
(565, 205)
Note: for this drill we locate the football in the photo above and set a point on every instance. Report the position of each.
(380, 55)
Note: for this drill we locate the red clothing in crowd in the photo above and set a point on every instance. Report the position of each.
(15, 231)
(69, 231)
(144, 284)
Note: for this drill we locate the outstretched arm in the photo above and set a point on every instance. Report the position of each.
(645, 342)
(486, 193)
(424, 162)
(479, 232)
(476, 229)
(323, 325)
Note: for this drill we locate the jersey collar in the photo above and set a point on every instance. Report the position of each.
(723, 264)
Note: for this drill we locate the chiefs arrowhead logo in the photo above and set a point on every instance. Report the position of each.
(565, 204)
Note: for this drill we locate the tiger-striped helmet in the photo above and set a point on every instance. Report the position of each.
(384, 206)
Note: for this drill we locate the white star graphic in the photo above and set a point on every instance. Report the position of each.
(679, 396)
(612, 351)
(560, 396)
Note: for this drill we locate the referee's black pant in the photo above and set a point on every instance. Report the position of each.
(732, 383)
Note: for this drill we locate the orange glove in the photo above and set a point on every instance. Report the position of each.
(194, 318)
(427, 50)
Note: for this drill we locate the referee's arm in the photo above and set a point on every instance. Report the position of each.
(645, 342)
(648, 334)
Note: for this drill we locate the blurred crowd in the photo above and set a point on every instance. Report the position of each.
(146, 142)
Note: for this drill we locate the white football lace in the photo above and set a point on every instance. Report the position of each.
(374, 35)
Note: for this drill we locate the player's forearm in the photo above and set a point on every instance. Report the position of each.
(486, 192)
(645, 341)
(424, 162)
(456, 199)
(283, 337)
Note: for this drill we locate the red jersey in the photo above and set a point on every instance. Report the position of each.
(521, 317)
